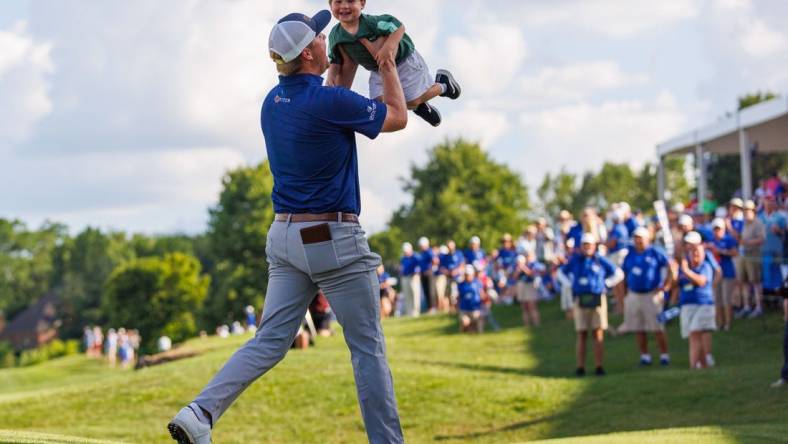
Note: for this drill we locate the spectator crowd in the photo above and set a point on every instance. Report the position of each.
(709, 266)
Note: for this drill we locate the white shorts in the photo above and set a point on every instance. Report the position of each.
(414, 75)
(697, 318)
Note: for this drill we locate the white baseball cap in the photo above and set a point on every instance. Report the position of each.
(749, 205)
(686, 219)
(424, 242)
(407, 247)
(693, 237)
(737, 202)
(294, 32)
(588, 238)
(469, 269)
(476, 240)
(678, 208)
(718, 223)
(641, 232)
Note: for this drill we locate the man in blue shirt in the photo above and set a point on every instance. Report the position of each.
(647, 278)
(772, 249)
(450, 272)
(470, 302)
(725, 248)
(409, 274)
(590, 276)
(315, 241)
(475, 255)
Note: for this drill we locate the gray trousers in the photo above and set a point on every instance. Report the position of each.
(344, 268)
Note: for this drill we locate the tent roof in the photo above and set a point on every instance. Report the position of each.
(766, 124)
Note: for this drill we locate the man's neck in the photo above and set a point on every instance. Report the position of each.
(310, 69)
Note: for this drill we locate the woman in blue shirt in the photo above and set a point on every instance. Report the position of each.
(696, 276)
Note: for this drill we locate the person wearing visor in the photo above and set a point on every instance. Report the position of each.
(648, 276)
(590, 275)
(315, 241)
(698, 317)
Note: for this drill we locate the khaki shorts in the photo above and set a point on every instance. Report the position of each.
(641, 311)
(697, 318)
(751, 270)
(591, 318)
(738, 264)
(527, 292)
(723, 292)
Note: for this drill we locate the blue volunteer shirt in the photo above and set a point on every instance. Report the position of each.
(538, 269)
(689, 293)
(474, 257)
(773, 244)
(470, 295)
(631, 225)
(576, 233)
(588, 274)
(506, 258)
(383, 277)
(738, 224)
(644, 269)
(310, 137)
(408, 265)
(425, 260)
(620, 233)
(452, 261)
(726, 261)
(706, 234)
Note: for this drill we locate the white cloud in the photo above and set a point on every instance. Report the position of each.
(577, 81)
(613, 18)
(488, 56)
(24, 67)
(759, 40)
(582, 136)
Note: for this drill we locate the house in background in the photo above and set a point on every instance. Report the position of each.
(35, 326)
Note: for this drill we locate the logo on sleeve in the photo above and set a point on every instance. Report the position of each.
(278, 99)
(372, 110)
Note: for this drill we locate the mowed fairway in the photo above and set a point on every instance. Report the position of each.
(514, 385)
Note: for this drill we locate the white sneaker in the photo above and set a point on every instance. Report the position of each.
(187, 429)
(778, 383)
(709, 361)
(758, 312)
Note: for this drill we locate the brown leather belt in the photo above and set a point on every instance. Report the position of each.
(323, 217)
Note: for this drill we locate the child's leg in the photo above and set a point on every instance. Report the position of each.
(434, 91)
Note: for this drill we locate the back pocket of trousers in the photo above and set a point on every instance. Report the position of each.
(321, 257)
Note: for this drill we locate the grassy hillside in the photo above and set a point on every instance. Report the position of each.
(514, 385)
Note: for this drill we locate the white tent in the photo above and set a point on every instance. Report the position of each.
(762, 127)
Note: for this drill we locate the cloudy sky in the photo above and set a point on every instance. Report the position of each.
(126, 114)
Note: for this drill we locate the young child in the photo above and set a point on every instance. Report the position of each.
(362, 39)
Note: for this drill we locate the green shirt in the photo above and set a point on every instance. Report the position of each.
(370, 27)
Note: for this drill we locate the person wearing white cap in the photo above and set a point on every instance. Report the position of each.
(527, 273)
(648, 276)
(410, 278)
(696, 297)
(450, 269)
(590, 276)
(724, 247)
(428, 266)
(752, 238)
(617, 248)
(470, 292)
(475, 254)
(315, 241)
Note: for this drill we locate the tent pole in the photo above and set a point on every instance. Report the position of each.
(701, 169)
(746, 168)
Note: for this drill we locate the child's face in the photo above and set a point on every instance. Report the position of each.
(347, 11)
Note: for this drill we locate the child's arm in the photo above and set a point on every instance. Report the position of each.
(344, 73)
(390, 45)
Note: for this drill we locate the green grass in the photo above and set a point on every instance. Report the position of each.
(511, 386)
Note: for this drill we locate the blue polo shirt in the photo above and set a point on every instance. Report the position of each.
(631, 224)
(452, 260)
(576, 233)
(643, 269)
(620, 233)
(408, 265)
(589, 273)
(310, 137)
(536, 267)
(425, 260)
(507, 258)
(474, 257)
(470, 295)
(726, 261)
(689, 293)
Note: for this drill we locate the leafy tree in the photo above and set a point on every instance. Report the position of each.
(388, 244)
(157, 296)
(557, 193)
(459, 193)
(83, 265)
(236, 237)
(26, 265)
